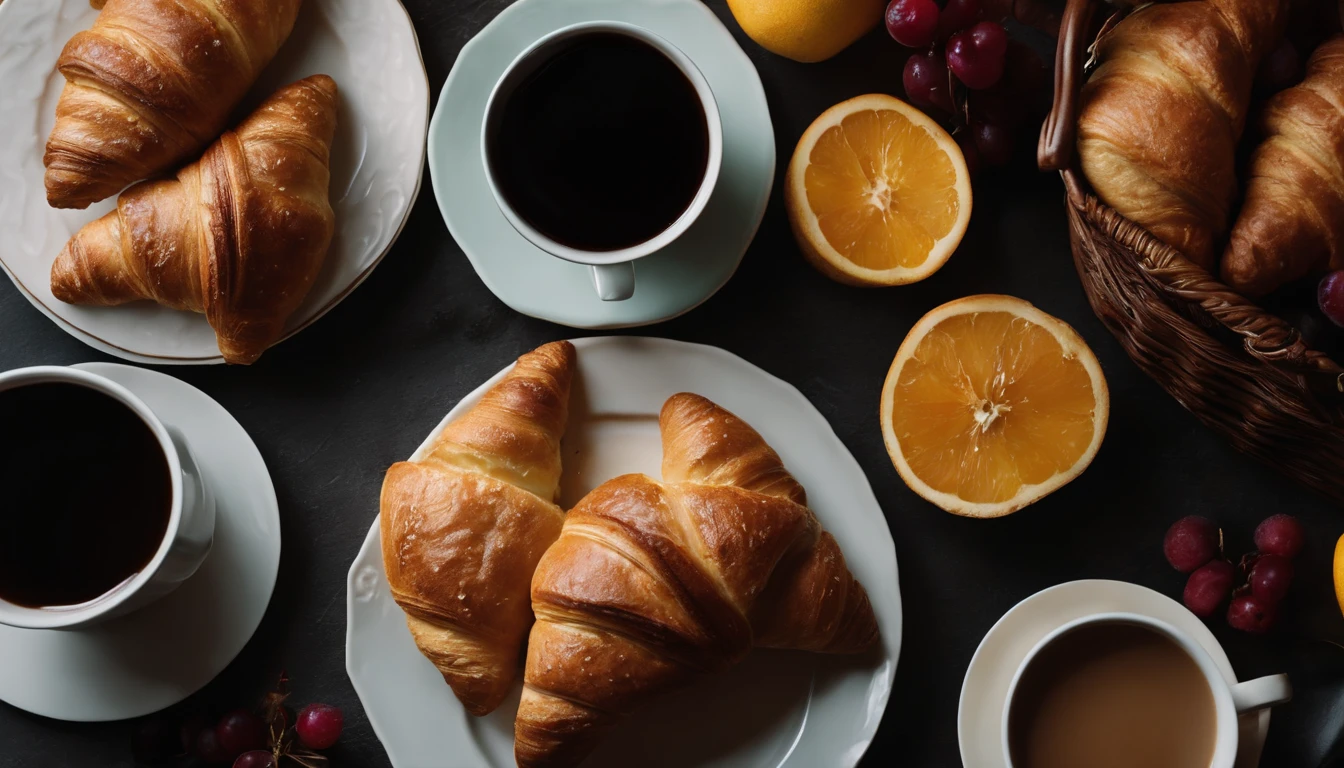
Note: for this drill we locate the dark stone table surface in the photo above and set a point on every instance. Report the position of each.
(333, 407)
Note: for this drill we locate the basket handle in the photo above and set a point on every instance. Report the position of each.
(1055, 150)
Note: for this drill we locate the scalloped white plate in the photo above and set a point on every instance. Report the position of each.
(368, 46)
(775, 710)
(668, 283)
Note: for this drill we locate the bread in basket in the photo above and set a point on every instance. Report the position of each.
(1238, 368)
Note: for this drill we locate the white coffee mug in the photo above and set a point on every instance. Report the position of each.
(191, 520)
(1229, 701)
(613, 271)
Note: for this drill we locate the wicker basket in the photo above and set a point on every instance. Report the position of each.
(1237, 368)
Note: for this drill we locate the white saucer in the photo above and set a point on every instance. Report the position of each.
(668, 283)
(991, 670)
(163, 653)
(776, 709)
(378, 158)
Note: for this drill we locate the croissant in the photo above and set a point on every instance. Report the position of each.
(1162, 114)
(653, 583)
(239, 235)
(1292, 222)
(464, 527)
(150, 84)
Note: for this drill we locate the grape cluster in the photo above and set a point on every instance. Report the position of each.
(1193, 545)
(240, 738)
(966, 70)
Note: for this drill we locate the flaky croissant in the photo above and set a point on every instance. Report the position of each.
(1292, 222)
(464, 527)
(1162, 114)
(239, 235)
(653, 583)
(150, 84)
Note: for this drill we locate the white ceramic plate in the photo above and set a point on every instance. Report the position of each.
(786, 709)
(668, 283)
(985, 689)
(161, 654)
(368, 46)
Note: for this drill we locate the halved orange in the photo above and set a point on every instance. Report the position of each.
(992, 404)
(877, 192)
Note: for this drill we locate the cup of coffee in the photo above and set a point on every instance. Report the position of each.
(105, 510)
(602, 144)
(1121, 690)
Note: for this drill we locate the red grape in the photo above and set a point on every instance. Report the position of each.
(1270, 578)
(240, 731)
(1280, 69)
(1208, 587)
(912, 22)
(956, 16)
(917, 79)
(208, 748)
(319, 725)
(1280, 535)
(1330, 296)
(1249, 613)
(1190, 542)
(257, 758)
(994, 143)
(926, 81)
(968, 151)
(976, 55)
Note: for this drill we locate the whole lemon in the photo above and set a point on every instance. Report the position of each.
(806, 30)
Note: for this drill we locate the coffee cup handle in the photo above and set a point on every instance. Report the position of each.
(614, 282)
(1261, 693)
(196, 531)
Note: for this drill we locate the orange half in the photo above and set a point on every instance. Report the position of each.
(877, 192)
(992, 404)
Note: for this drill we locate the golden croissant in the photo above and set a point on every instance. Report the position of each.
(239, 235)
(464, 527)
(653, 583)
(1292, 222)
(1162, 114)
(150, 84)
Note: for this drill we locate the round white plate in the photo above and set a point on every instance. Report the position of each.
(668, 283)
(788, 709)
(161, 654)
(985, 689)
(368, 46)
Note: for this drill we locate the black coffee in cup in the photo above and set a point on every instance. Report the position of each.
(601, 146)
(87, 494)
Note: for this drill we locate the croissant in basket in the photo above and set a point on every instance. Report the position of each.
(1162, 114)
(1242, 371)
(1292, 222)
(150, 84)
(651, 584)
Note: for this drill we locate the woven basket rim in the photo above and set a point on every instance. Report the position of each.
(1265, 336)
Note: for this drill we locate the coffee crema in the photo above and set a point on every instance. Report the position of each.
(604, 146)
(1112, 696)
(87, 492)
